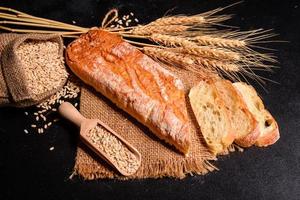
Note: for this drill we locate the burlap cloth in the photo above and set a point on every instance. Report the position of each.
(158, 158)
(5, 39)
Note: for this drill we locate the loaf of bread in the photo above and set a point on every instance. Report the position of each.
(212, 116)
(245, 126)
(134, 82)
(268, 128)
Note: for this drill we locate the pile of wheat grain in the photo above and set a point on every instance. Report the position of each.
(43, 67)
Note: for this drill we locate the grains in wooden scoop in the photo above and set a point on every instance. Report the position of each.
(119, 153)
(43, 66)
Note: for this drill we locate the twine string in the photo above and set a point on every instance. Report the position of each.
(113, 13)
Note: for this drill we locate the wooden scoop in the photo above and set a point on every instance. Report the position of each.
(69, 112)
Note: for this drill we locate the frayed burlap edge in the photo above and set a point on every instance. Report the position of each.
(159, 169)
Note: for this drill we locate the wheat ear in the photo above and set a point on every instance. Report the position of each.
(166, 55)
(204, 19)
(192, 48)
(215, 64)
(196, 20)
(219, 42)
(190, 62)
(148, 29)
(183, 61)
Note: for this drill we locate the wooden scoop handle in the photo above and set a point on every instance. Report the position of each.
(69, 112)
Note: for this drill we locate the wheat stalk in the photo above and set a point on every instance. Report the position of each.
(219, 42)
(195, 20)
(166, 55)
(186, 20)
(190, 47)
(219, 54)
(204, 19)
(184, 61)
(215, 64)
(149, 29)
(188, 61)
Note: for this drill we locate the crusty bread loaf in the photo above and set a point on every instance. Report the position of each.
(243, 122)
(134, 82)
(268, 128)
(212, 116)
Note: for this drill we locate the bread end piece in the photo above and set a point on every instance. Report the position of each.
(249, 139)
(270, 133)
(267, 126)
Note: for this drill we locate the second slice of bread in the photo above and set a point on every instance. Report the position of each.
(243, 122)
(211, 116)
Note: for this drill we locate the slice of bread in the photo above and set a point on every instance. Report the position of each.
(243, 122)
(268, 128)
(211, 116)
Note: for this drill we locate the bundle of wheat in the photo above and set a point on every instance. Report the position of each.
(190, 42)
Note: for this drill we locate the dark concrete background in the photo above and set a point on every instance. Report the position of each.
(29, 170)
